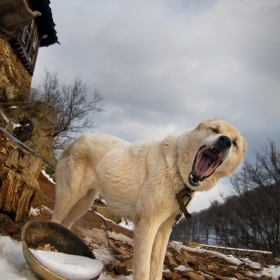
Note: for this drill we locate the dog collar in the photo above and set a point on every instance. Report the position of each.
(186, 192)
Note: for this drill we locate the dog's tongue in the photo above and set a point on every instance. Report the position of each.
(209, 160)
(203, 165)
(206, 162)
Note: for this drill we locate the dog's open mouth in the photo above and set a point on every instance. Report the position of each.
(206, 162)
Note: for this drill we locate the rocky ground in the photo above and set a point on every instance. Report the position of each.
(113, 245)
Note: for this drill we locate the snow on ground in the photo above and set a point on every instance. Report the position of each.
(272, 272)
(13, 265)
(36, 211)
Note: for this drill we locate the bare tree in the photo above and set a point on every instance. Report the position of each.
(250, 217)
(258, 190)
(72, 103)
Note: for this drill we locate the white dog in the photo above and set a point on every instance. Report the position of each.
(140, 181)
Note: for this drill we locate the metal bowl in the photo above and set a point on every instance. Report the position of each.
(46, 235)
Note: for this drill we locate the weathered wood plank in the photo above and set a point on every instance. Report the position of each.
(19, 171)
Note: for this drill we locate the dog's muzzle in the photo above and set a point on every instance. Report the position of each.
(208, 158)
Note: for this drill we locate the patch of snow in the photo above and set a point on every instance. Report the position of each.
(271, 273)
(48, 176)
(234, 249)
(106, 276)
(16, 125)
(121, 237)
(34, 211)
(12, 261)
(129, 226)
(230, 259)
(182, 268)
(71, 267)
(126, 224)
(255, 265)
(4, 117)
(46, 208)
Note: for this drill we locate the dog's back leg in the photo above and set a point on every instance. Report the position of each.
(74, 189)
(71, 205)
(80, 208)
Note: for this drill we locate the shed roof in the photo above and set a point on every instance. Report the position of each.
(45, 23)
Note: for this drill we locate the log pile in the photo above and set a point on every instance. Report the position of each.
(19, 171)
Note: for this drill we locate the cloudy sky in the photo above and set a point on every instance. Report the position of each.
(164, 66)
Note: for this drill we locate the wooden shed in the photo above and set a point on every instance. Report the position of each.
(25, 26)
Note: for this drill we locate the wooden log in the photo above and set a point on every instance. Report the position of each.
(19, 171)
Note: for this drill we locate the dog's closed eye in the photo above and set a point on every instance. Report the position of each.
(234, 142)
(215, 130)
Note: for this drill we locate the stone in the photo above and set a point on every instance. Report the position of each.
(187, 258)
(171, 276)
(210, 267)
(3, 151)
(102, 227)
(214, 265)
(191, 244)
(256, 255)
(263, 278)
(129, 264)
(201, 267)
(110, 267)
(193, 276)
(182, 261)
(7, 226)
(239, 276)
(122, 269)
(119, 251)
(121, 254)
(168, 260)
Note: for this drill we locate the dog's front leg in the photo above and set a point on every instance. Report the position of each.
(159, 248)
(144, 235)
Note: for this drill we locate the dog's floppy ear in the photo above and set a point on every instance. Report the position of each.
(204, 123)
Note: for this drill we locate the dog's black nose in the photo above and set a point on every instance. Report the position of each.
(224, 141)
